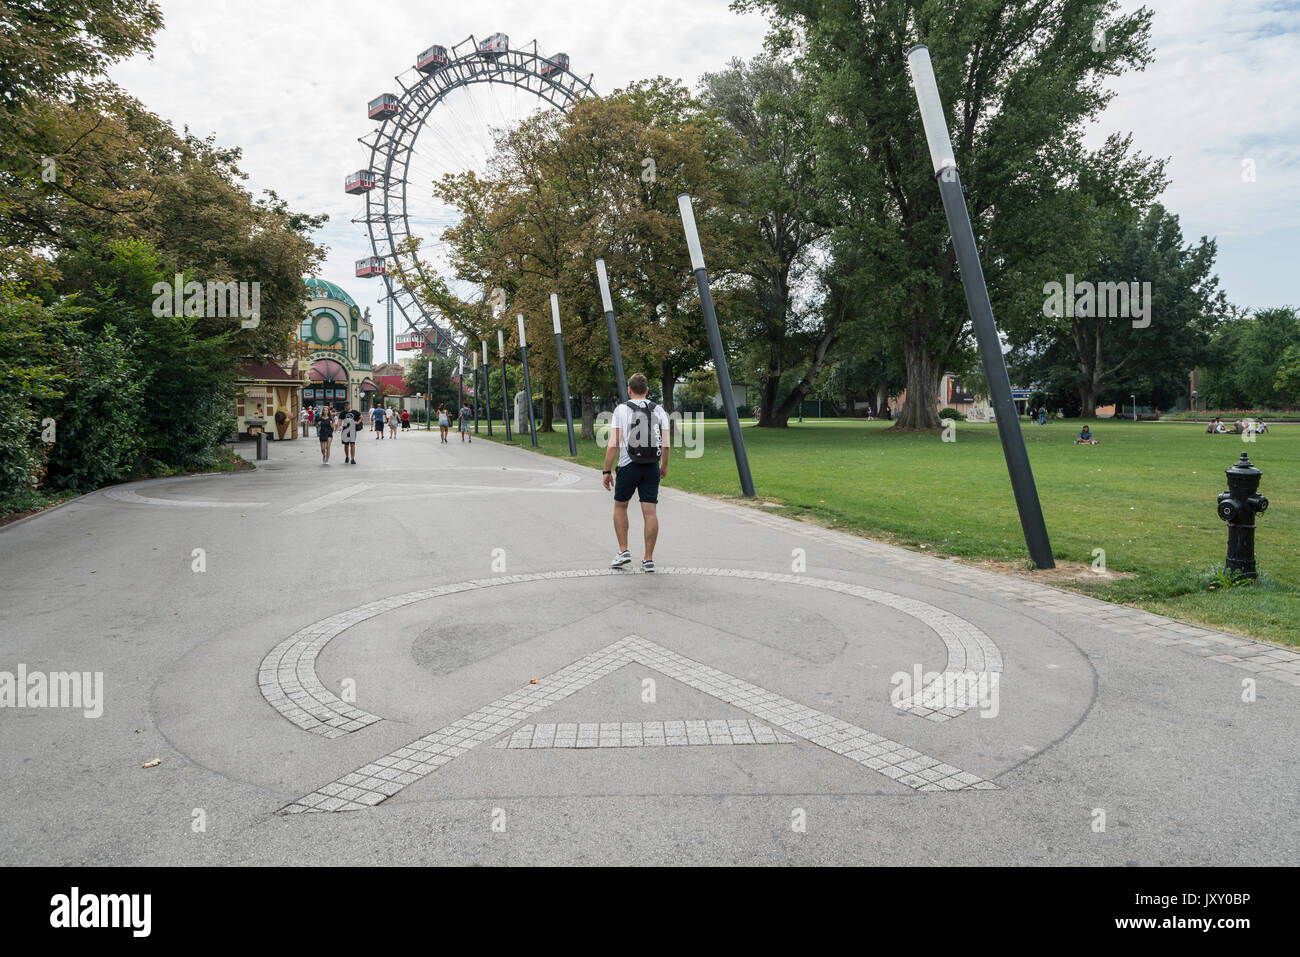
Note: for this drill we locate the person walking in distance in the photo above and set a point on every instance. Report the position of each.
(348, 433)
(302, 421)
(463, 418)
(444, 422)
(377, 413)
(406, 420)
(392, 423)
(325, 432)
(636, 440)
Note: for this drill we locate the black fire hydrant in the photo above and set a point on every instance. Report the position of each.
(1237, 507)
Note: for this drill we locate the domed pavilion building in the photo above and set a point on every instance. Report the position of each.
(339, 341)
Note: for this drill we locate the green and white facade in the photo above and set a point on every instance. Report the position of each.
(339, 341)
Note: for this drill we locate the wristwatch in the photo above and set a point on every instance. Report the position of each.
(606, 472)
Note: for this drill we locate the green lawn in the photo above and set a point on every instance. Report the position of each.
(1146, 495)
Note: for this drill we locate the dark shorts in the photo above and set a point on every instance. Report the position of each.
(643, 479)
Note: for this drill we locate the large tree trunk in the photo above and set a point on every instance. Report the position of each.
(1087, 400)
(770, 416)
(548, 410)
(921, 407)
(882, 399)
(588, 417)
(820, 355)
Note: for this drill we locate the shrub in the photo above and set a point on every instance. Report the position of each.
(951, 414)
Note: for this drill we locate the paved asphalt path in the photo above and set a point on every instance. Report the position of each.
(344, 675)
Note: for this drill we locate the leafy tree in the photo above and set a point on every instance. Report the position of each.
(564, 189)
(1108, 355)
(1287, 380)
(1021, 81)
(762, 102)
(444, 379)
(1248, 361)
(699, 389)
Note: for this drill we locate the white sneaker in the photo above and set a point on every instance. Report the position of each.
(621, 559)
(647, 565)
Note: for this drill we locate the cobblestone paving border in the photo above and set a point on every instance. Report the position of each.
(379, 780)
(643, 734)
(1247, 654)
(288, 681)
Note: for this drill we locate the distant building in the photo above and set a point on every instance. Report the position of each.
(339, 342)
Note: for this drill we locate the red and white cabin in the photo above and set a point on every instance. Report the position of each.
(362, 181)
(384, 106)
(371, 266)
(432, 59)
(551, 66)
(494, 46)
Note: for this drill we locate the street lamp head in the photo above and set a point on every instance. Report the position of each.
(555, 312)
(523, 343)
(485, 352)
(692, 234)
(501, 343)
(927, 99)
(604, 286)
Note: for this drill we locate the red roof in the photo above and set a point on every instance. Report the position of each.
(268, 371)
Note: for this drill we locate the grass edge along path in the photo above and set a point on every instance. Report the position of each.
(1141, 504)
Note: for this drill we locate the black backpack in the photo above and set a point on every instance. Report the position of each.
(641, 445)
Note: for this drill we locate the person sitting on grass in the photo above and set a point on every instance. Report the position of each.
(1085, 437)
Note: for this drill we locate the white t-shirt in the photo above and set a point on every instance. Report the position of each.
(622, 421)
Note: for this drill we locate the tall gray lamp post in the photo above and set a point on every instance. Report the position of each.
(528, 382)
(505, 394)
(715, 343)
(608, 303)
(981, 310)
(487, 391)
(564, 376)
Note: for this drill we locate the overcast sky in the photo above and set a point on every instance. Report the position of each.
(289, 81)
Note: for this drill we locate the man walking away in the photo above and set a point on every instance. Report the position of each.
(348, 433)
(464, 417)
(636, 438)
(377, 413)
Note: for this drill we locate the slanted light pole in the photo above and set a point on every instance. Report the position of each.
(460, 384)
(981, 310)
(487, 392)
(428, 395)
(608, 303)
(505, 395)
(715, 343)
(564, 376)
(528, 382)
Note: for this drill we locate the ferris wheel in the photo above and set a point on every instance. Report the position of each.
(451, 104)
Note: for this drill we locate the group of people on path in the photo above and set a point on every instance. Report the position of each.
(635, 444)
(330, 422)
(464, 418)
